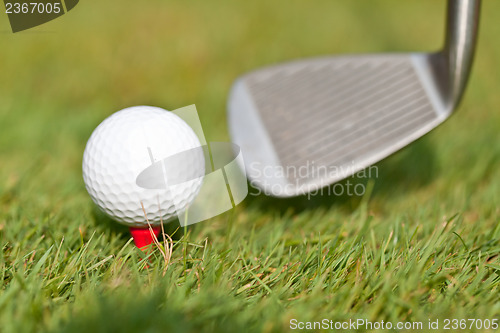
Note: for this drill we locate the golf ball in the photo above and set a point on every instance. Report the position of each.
(125, 144)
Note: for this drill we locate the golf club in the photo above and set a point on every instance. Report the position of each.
(307, 124)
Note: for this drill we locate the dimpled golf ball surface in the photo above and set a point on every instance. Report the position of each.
(125, 144)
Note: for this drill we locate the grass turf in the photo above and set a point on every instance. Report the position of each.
(423, 243)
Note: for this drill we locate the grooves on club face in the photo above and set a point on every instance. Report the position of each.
(307, 124)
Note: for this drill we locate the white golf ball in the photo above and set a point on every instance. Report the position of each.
(124, 145)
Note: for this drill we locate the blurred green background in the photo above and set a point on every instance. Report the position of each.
(60, 80)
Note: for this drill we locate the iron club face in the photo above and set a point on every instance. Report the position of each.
(306, 124)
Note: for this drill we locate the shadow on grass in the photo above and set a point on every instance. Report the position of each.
(407, 170)
(397, 175)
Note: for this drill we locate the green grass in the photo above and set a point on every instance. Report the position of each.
(423, 244)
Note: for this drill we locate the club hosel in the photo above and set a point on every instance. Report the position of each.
(458, 52)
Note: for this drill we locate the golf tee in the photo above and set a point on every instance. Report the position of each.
(143, 237)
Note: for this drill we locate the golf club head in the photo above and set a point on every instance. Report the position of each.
(310, 123)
